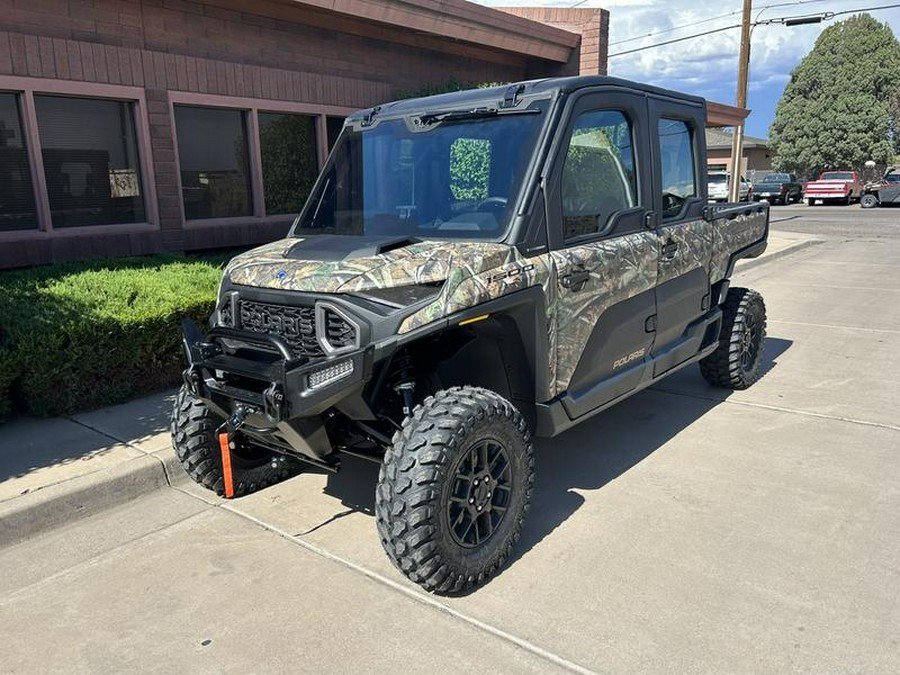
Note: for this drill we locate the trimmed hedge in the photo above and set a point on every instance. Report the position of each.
(83, 335)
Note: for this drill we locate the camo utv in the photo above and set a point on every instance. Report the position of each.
(472, 270)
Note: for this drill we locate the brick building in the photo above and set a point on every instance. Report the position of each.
(137, 126)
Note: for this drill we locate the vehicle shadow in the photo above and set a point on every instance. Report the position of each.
(585, 458)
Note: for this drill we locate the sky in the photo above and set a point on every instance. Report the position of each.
(708, 66)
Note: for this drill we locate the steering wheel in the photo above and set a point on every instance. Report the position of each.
(672, 202)
(492, 204)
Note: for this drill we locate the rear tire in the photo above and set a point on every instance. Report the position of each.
(194, 438)
(454, 489)
(868, 201)
(737, 361)
(810, 202)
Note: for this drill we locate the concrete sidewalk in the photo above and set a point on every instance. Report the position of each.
(54, 471)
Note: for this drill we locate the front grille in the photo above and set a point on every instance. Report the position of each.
(295, 325)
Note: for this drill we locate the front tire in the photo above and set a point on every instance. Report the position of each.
(737, 361)
(454, 489)
(194, 438)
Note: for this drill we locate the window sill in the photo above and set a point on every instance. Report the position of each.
(75, 231)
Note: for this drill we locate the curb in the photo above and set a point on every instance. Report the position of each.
(748, 264)
(62, 503)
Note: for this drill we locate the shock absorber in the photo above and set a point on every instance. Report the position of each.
(403, 382)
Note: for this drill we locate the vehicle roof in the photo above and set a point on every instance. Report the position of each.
(547, 87)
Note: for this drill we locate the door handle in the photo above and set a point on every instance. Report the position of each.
(669, 249)
(575, 281)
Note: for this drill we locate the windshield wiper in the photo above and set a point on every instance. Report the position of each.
(443, 117)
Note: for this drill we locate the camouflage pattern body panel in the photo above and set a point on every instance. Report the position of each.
(621, 268)
(695, 246)
(465, 289)
(730, 236)
(421, 263)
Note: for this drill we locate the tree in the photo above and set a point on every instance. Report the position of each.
(842, 105)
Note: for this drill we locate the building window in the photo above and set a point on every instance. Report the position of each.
(287, 146)
(17, 208)
(598, 178)
(214, 158)
(89, 148)
(334, 125)
(676, 152)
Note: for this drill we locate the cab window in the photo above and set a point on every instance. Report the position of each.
(598, 177)
(676, 153)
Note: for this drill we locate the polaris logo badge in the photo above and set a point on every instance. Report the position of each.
(281, 275)
(625, 360)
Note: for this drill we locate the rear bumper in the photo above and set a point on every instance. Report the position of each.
(826, 194)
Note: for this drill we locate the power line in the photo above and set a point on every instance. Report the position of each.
(671, 42)
(709, 20)
(829, 15)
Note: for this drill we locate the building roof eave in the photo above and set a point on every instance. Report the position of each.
(458, 20)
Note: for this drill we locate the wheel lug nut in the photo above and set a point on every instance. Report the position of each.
(479, 508)
(489, 494)
(471, 500)
(476, 481)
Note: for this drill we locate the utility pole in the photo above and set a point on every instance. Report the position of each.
(737, 144)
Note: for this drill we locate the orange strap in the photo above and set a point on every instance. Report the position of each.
(226, 465)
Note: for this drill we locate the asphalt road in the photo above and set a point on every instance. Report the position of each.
(837, 220)
(687, 529)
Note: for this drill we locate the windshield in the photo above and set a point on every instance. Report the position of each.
(776, 178)
(717, 179)
(456, 178)
(837, 175)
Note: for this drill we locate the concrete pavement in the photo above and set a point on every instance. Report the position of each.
(683, 530)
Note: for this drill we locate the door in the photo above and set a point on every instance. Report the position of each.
(604, 255)
(684, 237)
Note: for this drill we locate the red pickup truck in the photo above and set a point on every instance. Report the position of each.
(834, 186)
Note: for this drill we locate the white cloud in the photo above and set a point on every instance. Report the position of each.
(708, 65)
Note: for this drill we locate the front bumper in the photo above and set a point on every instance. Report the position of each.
(280, 395)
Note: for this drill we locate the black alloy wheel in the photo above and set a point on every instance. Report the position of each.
(480, 493)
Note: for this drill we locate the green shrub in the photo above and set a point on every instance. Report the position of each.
(82, 335)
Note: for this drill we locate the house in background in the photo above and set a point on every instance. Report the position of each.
(136, 126)
(755, 161)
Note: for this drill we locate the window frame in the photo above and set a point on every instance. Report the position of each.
(251, 108)
(635, 187)
(633, 106)
(26, 88)
(692, 113)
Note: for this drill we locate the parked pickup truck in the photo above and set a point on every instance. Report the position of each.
(778, 188)
(434, 319)
(840, 187)
(884, 192)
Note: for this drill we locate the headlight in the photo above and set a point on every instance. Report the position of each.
(403, 296)
(333, 373)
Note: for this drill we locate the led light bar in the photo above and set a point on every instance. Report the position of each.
(320, 378)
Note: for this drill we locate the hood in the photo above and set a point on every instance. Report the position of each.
(348, 264)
